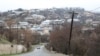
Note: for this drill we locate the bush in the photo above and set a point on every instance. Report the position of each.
(82, 44)
(59, 40)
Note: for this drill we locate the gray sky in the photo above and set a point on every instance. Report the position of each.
(41, 4)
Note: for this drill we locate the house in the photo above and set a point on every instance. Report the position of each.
(15, 26)
(2, 24)
(52, 22)
(45, 23)
(38, 16)
(95, 23)
(88, 14)
(20, 25)
(88, 21)
(45, 32)
(86, 29)
(34, 18)
(19, 12)
(75, 20)
(41, 30)
(24, 24)
(36, 28)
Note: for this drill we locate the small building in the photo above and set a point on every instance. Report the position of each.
(86, 29)
(2, 23)
(88, 21)
(95, 23)
(23, 24)
(75, 20)
(45, 23)
(34, 18)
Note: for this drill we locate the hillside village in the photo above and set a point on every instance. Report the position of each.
(46, 18)
(34, 26)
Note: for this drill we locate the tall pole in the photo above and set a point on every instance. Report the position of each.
(10, 37)
(71, 29)
(0, 31)
(17, 38)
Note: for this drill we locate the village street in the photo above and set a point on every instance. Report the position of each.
(41, 51)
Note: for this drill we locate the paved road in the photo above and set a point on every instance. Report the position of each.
(42, 51)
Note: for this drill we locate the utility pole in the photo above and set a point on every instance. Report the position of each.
(17, 38)
(71, 29)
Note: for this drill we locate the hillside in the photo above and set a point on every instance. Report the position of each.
(51, 14)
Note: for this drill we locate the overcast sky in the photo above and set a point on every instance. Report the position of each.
(39, 4)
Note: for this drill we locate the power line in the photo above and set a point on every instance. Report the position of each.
(96, 9)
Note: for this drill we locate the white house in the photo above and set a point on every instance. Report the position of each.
(24, 24)
(52, 22)
(58, 22)
(41, 30)
(2, 23)
(38, 16)
(88, 14)
(75, 20)
(35, 17)
(88, 21)
(95, 23)
(46, 23)
(20, 25)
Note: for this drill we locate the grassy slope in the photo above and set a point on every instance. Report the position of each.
(3, 40)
